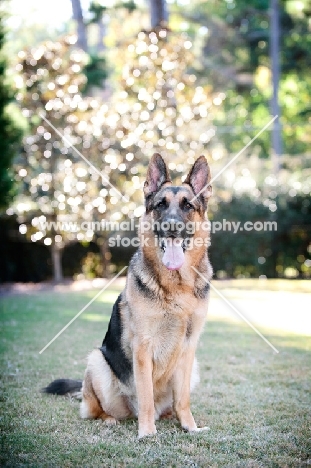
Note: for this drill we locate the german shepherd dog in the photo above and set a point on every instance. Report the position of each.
(146, 366)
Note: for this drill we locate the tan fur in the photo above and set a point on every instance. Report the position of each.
(155, 339)
(101, 393)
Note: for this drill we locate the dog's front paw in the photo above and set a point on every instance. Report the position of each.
(146, 431)
(199, 429)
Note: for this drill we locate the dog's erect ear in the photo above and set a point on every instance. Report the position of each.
(199, 177)
(157, 175)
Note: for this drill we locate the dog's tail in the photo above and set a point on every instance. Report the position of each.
(65, 387)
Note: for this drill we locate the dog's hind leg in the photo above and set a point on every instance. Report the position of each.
(101, 397)
(90, 406)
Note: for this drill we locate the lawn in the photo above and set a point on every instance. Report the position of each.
(257, 403)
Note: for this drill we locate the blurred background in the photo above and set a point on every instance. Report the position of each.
(122, 80)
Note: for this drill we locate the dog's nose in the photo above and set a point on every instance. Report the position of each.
(174, 225)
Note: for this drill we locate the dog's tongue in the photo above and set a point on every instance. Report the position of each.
(174, 256)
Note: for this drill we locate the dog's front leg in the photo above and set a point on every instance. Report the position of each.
(142, 361)
(181, 391)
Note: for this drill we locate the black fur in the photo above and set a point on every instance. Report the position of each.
(63, 387)
(189, 328)
(175, 190)
(202, 292)
(143, 287)
(112, 346)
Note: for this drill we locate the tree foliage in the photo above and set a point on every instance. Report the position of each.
(57, 184)
(174, 93)
(10, 131)
(236, 58)
(158, 107)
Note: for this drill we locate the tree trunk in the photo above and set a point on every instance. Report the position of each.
(106, 256)
(81, 28)
(275, 69)
(158, 13)
(57, 263)
(101, 36)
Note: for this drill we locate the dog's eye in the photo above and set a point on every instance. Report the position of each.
(187, 205)
(162, 204)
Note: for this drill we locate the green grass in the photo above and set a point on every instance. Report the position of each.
(256, 403)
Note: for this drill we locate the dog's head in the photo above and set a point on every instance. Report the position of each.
(176, 213)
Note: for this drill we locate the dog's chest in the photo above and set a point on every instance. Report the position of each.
(167, 331)
(167, 345)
